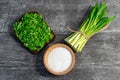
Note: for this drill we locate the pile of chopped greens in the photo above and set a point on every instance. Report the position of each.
(94, 22)
(33, 31)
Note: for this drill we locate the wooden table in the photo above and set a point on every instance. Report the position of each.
(99, 60)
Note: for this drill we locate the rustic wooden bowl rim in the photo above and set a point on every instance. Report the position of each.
(46, 59)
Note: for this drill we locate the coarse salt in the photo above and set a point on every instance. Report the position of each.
(59, 59)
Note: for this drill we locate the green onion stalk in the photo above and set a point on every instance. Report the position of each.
(94, 23)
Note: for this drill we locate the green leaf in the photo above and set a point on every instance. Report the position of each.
(33, 31)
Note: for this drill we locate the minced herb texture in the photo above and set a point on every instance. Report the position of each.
(33, 31)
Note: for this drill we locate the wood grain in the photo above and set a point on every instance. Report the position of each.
(99, 60)
(100, 57)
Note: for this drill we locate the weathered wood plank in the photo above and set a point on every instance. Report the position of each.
(99, 60)
(76, 74)
(100, 56)
(58, 14)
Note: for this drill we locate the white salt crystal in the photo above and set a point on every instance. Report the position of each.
(59, 59)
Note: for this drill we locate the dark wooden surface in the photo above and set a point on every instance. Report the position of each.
(99, 60)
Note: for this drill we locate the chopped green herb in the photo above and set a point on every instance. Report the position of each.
(33, 31)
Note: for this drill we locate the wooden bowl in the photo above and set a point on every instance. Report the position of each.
(47, 52)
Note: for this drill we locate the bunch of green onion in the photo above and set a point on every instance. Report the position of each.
(94, 22)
